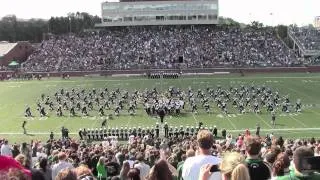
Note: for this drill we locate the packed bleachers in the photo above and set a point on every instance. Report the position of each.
(309, 37)
(182, 157)
(160, 48)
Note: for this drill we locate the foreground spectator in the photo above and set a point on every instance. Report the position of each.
(233, 167)
(191, 167)
(124, 170)
(296, 174)
(8, 163)
(66, 174)
(160, 171)
(13, 174)
(101, 168)
(189, 153)
(134, 174)
(281, 166)
(61, 165)
(45, 168)
(21, 159)
(258, 169)
(83, 173)
(6, 149)
(143, 167)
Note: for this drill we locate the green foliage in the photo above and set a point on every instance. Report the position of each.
(33, 30)
(72, 23)
(256, 24)
(228, 21)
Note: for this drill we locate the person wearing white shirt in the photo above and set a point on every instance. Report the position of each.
(144, 168)
(192, 165)
(6, 149)
(61, 165)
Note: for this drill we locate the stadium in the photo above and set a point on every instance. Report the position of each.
(151, 83)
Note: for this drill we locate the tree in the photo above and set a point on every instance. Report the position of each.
(13, 29)
(228, 21)
(256, 24)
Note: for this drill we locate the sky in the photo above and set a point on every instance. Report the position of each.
(271, 12)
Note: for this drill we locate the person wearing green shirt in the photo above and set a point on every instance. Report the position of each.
(297, 174)
(101, 169)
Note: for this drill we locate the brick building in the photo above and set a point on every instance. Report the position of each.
(18, 51)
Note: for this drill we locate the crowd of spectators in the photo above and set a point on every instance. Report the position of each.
(161, 47)
(309, 37)
(185, 158)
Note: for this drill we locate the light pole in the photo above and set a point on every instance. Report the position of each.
(70, 24)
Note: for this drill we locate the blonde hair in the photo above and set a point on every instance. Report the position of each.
(21, 159)
(233, 166)
(82, 170)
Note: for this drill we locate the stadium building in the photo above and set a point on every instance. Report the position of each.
(317, 22)
(141, 13)
(18, 51)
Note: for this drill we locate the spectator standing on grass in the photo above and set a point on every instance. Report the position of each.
(258, 169)
(61, 165)
(192, 165)
(6, 149)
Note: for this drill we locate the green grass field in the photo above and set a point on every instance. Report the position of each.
(14, 95)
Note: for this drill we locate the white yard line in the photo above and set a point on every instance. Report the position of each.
(264, 121)
(311, 98)
(298, 121)
(195, 119)
(299, 92)
(233, 125)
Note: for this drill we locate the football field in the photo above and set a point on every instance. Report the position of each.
(15, 95)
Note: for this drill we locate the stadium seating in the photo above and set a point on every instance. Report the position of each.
(308, 37)
(161, 48)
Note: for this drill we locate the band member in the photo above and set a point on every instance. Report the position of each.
(42, 111)
(51, 135)
(28, 112)
(161, 114)
(101, 111)
(298, 106)
(72, 111)
(131, 109)
(84, 111)
(80, 134)
(258, 129)
(273, 118)
(166, 128)
(59, 111)
(24, 127)
(157, 130)
(215, 131)
(117, 111)
(104, 123)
